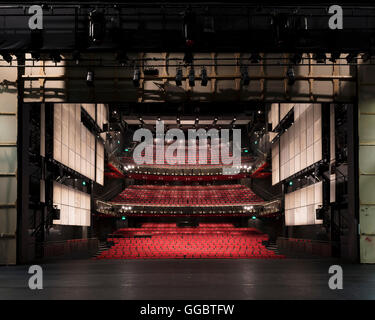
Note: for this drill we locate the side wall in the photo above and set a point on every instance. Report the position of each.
(8, 164)
(366, 130)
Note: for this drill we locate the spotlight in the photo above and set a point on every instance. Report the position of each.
(366, 56)
(191, 78)
(204, 77)
(136, 77)
(178, 77)
(255, 58)
(76, 56)
(296, 58)
(96, 26)
(290, 74)
(351, 58)
(245, 79)
(7, 57)
(35, 55)
(90, 78)
(188, 57)
(320, 57)
(334, 56)
(55, 57)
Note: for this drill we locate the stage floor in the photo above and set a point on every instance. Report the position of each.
(189, 279)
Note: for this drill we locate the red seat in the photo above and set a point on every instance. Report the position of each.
(217, 241)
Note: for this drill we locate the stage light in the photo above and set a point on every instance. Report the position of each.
(7, 57)
(253, 217)
(35, 55)
(290, 74)
(126, 150)
(191, 78)
(90, 78)
(334, 56)
(123, 218)
(84, 183)
(296, 58)
(366, 56)
(351, 58)
(136, 77)
(188, 57)
(76, 56)
(55, 57)
(290, 182)
(246, 151)
(320, 57)
(245, 79)
(96, 26)
(204, 80)
(178, 78)
(255, 58)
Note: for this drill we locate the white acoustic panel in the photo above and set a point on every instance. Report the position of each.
(301, 144)
(90, 108)
(284, 109)
(99, 163)
(275, 163)
(74, 144)
(74, 205)
(301, 205)
(274, 115)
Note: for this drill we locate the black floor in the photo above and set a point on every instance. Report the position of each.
(189, 279)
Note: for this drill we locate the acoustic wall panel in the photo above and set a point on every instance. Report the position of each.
(99, 163)
(284, 109)
(74, 205)
(301, 205)
(275, 163)
(301, 144)
(90, 108)
(274, 115)
(74, 144)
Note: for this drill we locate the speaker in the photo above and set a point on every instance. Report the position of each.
(320, 213)
(55, 214)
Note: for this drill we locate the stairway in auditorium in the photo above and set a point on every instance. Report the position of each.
(208, 241)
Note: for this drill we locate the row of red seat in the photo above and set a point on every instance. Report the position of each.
(166, 241)
(187, 195)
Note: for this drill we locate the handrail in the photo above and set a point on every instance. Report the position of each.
(310, 240)
(64, 241)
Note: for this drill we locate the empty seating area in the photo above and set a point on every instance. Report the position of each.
(208, 241)
(187, 196)
(186, 160)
